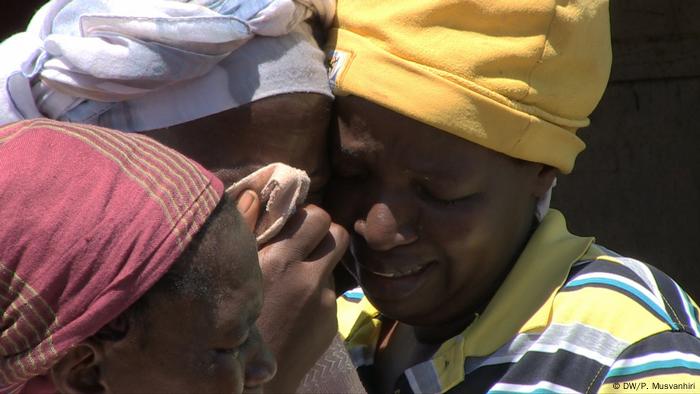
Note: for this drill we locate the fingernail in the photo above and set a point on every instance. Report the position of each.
(246, 201)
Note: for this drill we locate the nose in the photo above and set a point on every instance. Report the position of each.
(261, 366)
(382, 231)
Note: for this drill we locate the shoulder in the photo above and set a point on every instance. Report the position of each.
(648, 311)
(613, 320)
(663, 362)
(625, 297)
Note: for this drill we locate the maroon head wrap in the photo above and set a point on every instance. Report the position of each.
(89, 220)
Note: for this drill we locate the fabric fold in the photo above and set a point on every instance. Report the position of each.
(281, 189)
(108, 51)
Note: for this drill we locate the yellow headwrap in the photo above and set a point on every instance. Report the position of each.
(518, 77)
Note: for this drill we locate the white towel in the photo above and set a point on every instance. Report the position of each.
(281, 190)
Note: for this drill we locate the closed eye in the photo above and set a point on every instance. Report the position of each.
(436, 199)
(233, 351)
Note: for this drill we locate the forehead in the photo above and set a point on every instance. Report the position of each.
(228, 251)
(224, 255)
(240, 304)
(237, 300)
(227, 284)
(368, 131)
(296, 106)
(289, 128)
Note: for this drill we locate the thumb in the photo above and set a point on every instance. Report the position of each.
(248, 205)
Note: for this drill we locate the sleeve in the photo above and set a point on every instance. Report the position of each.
(359, 326)
(332, 373)
(667, 362)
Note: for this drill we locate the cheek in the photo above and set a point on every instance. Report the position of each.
(202, 372)
(465, 238)
(149, 369)
(454, 230)
(481, 244)
(170, 367)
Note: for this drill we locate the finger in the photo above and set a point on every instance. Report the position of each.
(249, 206)
(301, 234)
(330, 250)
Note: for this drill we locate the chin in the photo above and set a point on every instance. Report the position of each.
(438, 313)
(406, 311)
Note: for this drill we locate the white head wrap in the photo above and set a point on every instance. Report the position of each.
(137, 65)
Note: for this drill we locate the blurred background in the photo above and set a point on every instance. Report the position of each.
(637, 185)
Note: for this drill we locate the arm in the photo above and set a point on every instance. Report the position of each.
(298, 319)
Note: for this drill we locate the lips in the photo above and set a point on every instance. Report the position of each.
(398, 272)
(388, 264)
(392, 275)
(393, 280)
(394, 287)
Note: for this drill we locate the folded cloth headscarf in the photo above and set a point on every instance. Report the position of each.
(136, 65)
(91, 219)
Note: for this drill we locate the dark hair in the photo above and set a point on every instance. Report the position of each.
(186, 277)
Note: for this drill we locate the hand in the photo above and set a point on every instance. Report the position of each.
(298, 319)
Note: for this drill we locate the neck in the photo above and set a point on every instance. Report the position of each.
(430, 335)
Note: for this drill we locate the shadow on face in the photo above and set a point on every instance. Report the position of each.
(193, 332)
(288, 128)
(437, 221)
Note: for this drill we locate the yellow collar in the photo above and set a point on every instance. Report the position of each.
(540, 270)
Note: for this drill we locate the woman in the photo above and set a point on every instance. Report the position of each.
(124, 268)
(235, 85)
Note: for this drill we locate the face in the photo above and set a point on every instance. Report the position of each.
(437, 221)
(203, 342)
(288, 128)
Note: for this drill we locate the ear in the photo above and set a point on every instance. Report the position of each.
(544, 179)
(78, 371)
(248, 205)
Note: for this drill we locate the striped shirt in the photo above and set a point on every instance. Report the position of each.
(570, 317)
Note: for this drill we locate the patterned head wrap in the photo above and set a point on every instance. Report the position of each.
(136, 65)
(91, 219)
